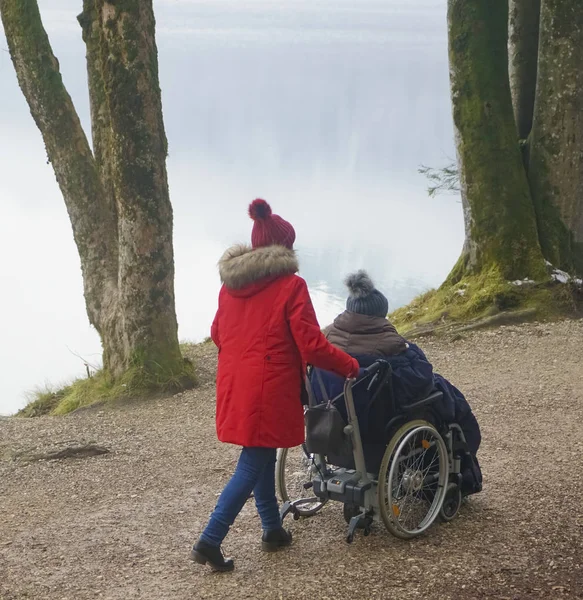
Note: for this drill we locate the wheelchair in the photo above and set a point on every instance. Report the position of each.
(408, 475)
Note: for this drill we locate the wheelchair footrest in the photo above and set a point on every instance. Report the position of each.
(361, 521)
(289, 508)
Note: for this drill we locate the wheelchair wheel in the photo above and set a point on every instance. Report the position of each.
(294, 470)
(451, 503)
(413, 479)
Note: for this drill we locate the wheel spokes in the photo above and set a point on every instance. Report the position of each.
(414, 481)
(299, 470)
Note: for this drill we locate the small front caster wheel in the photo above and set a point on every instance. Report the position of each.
(451, 503)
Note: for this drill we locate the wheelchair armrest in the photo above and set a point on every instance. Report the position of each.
(433, 397)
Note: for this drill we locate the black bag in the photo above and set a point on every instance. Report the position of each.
(325, 426)
(325, 431)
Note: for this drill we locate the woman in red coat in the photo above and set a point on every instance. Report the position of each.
(266, 332)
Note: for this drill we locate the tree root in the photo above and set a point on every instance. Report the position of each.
(81, 451)
(502, 318)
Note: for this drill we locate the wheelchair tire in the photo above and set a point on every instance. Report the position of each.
(414, 469)
(451, 503)
(290, 477)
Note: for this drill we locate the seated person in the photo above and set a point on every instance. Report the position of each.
(363, 328)
(364, 331)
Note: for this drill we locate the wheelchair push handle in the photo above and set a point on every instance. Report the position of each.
(372, 372)
(374, 368)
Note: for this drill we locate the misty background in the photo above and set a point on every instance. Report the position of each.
(325, 109)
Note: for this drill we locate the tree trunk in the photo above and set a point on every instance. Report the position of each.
(523, 55)
(498, 211)
(117, 198)
(68, 150)
(129, 67)
(100, 117)
(556, 147)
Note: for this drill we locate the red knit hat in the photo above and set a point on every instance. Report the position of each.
(269, 229)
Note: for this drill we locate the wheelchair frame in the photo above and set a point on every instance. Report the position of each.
(359, 488)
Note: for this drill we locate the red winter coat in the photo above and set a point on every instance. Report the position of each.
(266, 331)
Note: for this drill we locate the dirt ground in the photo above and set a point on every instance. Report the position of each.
(120, 525)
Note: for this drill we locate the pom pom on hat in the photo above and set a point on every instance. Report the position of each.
(259, 209)
(363, 297)
(359, 284)
(269, 229)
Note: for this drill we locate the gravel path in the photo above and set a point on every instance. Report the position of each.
(120, 525)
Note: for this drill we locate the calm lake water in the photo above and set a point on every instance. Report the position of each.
(326, 109)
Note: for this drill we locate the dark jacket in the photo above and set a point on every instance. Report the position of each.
(363, 335)
(412, 380)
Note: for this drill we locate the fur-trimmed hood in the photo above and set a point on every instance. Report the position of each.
(242, 265)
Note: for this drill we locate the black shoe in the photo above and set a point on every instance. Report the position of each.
(204, 553)
(275, 539)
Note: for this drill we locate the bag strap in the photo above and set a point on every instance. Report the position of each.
(310, 390)
(322, 387)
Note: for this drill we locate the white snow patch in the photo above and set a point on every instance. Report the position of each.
(560, 276)
(525, 281)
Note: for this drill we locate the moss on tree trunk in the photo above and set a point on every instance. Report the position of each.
(100, 118)
(117, 197)
(523, 60)
(556, 145)
(507, 234)
(499, 215)
(129, 67)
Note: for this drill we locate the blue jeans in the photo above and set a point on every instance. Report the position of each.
(255, 473)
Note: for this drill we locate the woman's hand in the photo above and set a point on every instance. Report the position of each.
(354, 373)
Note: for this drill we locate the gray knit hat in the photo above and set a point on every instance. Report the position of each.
(363, 297)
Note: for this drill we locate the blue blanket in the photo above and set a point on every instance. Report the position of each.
(413, 379)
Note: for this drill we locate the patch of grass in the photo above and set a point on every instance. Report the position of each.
(479, 296)
(192, 350)
(135, 382)
(43, 401)
(187, 346)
